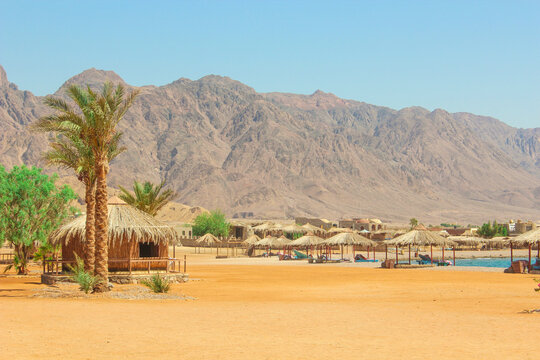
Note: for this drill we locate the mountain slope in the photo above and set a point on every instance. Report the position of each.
(222, 145)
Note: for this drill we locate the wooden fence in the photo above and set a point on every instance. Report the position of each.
(55, 266)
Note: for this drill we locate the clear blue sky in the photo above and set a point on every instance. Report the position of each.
(475, 56)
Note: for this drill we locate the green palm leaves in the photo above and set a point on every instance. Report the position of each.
(147, 197)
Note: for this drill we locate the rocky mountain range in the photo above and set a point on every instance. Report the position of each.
(220, 144)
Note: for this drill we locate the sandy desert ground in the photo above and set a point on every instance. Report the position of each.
(261, 311)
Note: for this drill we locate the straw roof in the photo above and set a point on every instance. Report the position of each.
(262, 227)
(125, 223)
(251, 240)
(307, 240)
(281, 241)
(273, 242)
(208, 239)
(294, 229)
(420, 236)
(349, 238)
(467, 240)
(267, 241)
(530, 237)
(313, 228)
(338, 230)
(444, 233)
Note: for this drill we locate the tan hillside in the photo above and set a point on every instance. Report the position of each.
(220, 144)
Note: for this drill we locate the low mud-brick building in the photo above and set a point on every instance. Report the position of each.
(137, 241)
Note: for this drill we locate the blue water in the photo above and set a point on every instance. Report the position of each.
(487, 262)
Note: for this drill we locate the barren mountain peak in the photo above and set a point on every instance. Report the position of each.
(94, 77)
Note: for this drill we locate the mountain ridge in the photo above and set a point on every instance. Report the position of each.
(219, 143)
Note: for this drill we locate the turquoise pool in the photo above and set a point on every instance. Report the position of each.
(488, 262)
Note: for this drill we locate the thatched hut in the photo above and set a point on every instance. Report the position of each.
(134, 236)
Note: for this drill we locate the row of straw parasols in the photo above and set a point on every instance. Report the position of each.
(310, 241)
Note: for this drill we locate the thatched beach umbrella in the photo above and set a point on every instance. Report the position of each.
(348, 238)
(251, 240)
(314, 229)
(529, 238)
(335, 230)
(420, 236)
(308, 241)
(281, 242)
(209, 240)
(294, 229)
(467, 240)
(262, 228)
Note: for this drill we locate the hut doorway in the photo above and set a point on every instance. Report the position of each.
(148, 250)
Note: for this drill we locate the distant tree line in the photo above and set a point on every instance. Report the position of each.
(490, 230)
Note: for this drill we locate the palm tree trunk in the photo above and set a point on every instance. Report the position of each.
(90, 244)
(102, 250)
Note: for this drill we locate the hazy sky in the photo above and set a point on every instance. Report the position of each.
(475, 56)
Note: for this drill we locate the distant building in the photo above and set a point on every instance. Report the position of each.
(320, 223)
(523, 227)
(362, 224)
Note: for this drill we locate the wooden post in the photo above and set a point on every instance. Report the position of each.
(44, 266)
(148, 266)
(174, 250)
(129, 264)
(397, 260)
(184, 264)
(431, 247)
(409, 254)
(56, 264)
(454, 250)
(374, 257)
(443, 253)
(385, 252)
(511, 253)
(530, 267)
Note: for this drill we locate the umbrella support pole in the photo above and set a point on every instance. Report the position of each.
(374, 257)
(431, 246)
(529, 266)
(511, 252)
(385, 252)
(397, 260)
(454, 250)
(409, 254)
(443, 253)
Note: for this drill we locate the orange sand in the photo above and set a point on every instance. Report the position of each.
(284, 312)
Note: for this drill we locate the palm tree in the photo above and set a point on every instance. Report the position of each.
(147, 197)
(96, 129)
(106, 111)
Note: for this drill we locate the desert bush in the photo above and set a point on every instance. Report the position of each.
(86, 281)
(157, 284)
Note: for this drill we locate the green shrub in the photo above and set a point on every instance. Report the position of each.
(86, 281)
(157, 284)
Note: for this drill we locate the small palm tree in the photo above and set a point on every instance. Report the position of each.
(147, 197)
